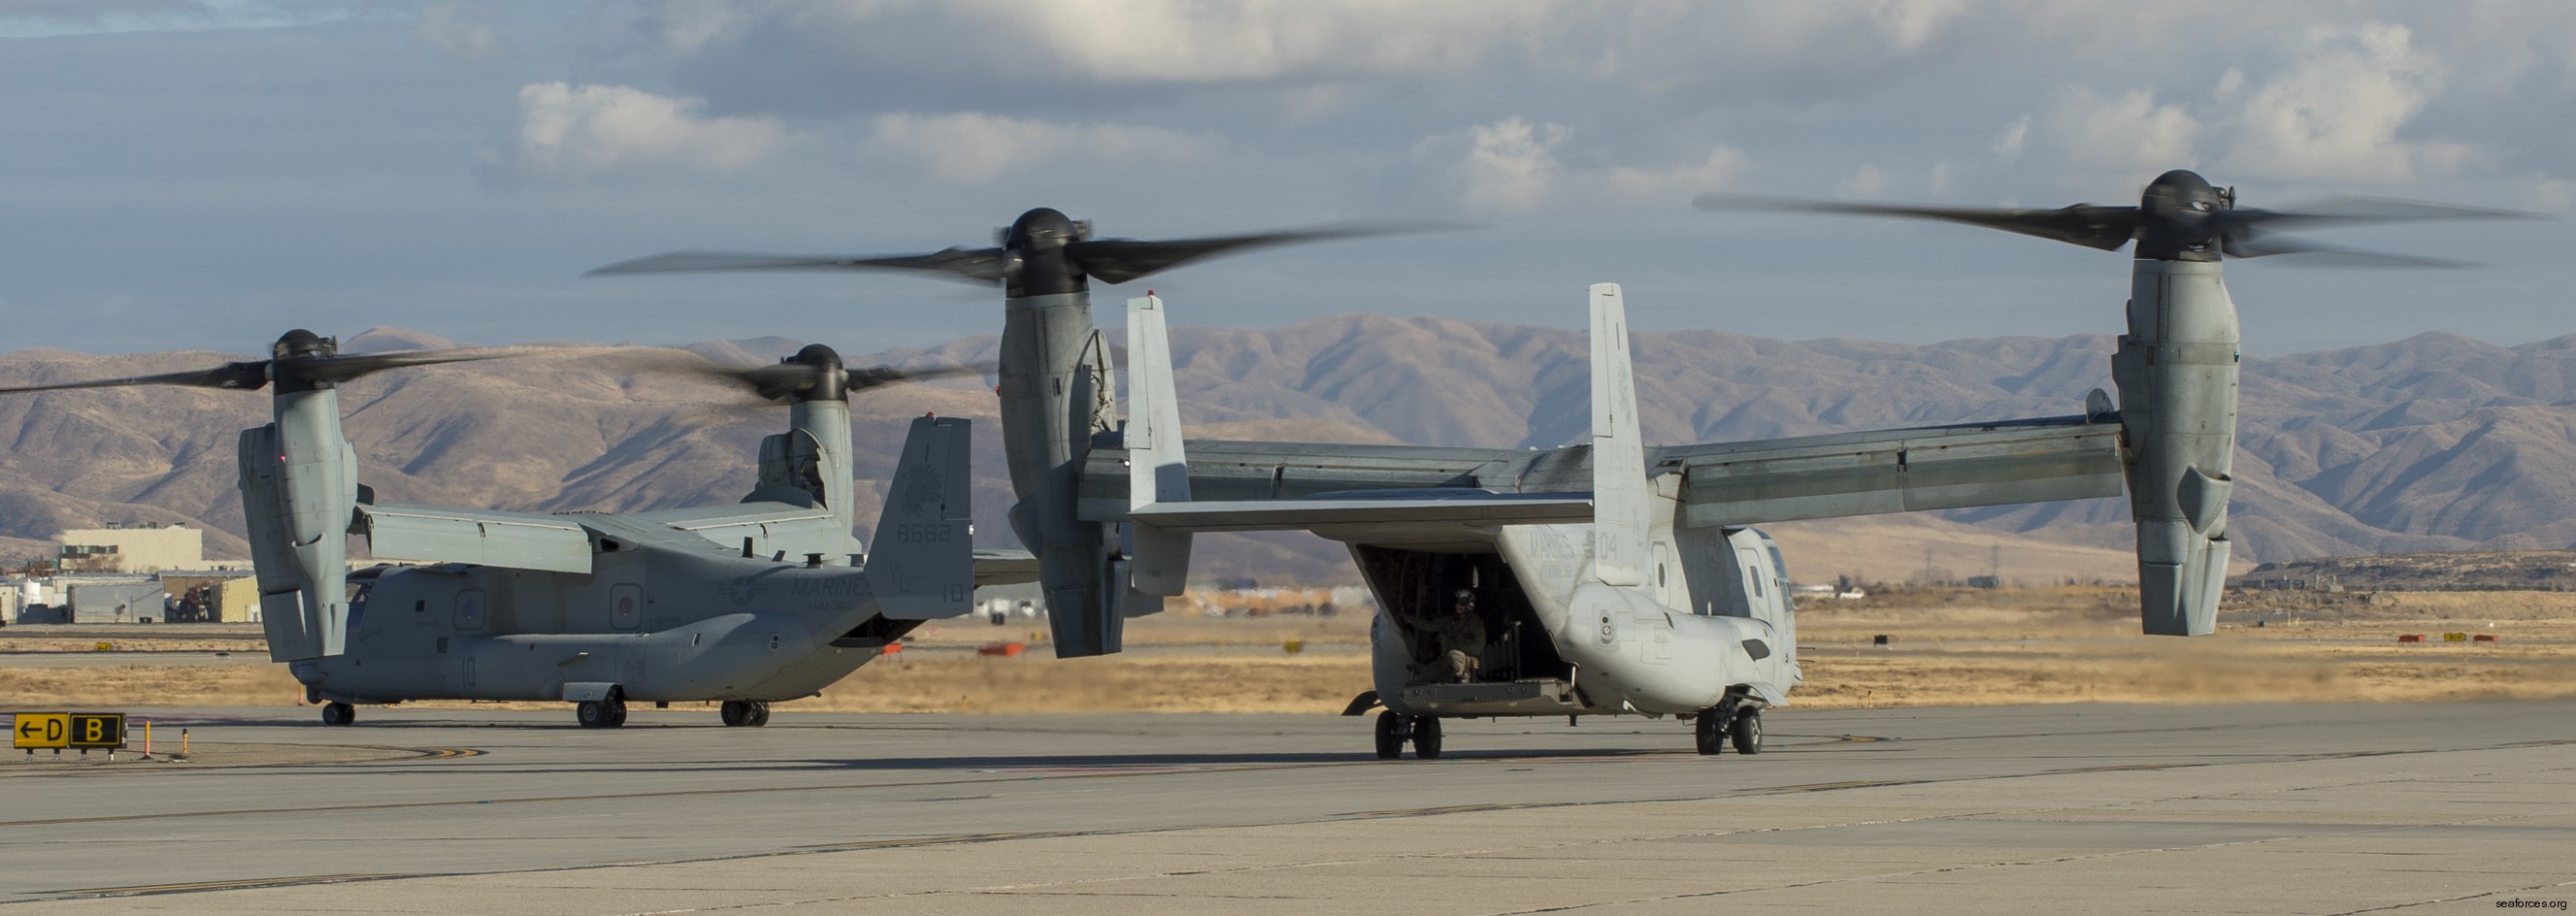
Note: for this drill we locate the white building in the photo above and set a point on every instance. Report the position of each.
(143, 549)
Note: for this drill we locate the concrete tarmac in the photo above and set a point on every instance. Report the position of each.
(2054, 809)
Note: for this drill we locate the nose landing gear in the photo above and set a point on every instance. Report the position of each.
(1732, 722)
(1395, 729)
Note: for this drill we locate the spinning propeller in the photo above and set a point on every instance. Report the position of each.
(300, 361)
(2180, 217)
(813, 373)
(1042, 252)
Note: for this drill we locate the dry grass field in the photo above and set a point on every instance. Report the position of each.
(1945, 647)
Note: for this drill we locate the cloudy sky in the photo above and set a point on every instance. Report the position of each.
(207, 173)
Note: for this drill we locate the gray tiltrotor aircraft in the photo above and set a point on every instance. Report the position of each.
(597, 609)
(1606, 577)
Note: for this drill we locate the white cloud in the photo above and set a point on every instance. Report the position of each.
(2335, 113)
(1513, 166)
(686, 26)
(53, 18)
(569, 131)
(2332, 110)
(1127, 42)
(2127, 134)
(969, 148)
(1180, 41)
(2009, 141)
(1869, 181)
(1909, 24)
(464, 32)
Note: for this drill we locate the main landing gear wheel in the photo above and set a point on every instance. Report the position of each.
(1426, 737)
(338, 713)
(1392, 732)
(1709, 730)
(744, 713)
(1747, 732)
(608, 713)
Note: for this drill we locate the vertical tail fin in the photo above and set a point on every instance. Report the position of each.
(1158, 561)
(923, 564)
(1619, 495)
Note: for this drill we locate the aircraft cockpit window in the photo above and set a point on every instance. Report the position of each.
(358, 603)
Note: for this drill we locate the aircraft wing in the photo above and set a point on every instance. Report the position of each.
(1005, 567)
(1426, 518)
(1901, 470)
(1445, 507)
(1722, 483)
(1261, 471)
(439, 534)
(763, 522)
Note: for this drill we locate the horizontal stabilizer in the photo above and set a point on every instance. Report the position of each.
(1005, 567)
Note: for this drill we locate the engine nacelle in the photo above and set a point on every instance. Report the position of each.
(2177, 374)
(299, 483)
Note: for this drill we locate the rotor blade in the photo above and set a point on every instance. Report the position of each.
(2312, 253)
(241, 376)
(880, 376)
(2362, 211)
(773, 381)
(1115, 261)
(2105, 228)
(346, 368)
(981, 265)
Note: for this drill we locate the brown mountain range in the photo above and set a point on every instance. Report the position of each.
(2436, 442)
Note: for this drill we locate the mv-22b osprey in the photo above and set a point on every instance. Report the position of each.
(1607, 577)
(769, 599)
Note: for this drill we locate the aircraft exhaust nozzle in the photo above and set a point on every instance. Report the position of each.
(2203, 498)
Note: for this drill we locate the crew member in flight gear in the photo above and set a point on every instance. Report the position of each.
(1461, 636)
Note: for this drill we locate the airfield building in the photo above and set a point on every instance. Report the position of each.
(132, 549)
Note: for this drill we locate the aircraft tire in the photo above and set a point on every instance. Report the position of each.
(1747, 732)
(1709, 733)
(759, 715)
(1392, 732)
(591, 714)
(616, 713)
(1426, 737)
(337, 713)
(735, 713)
